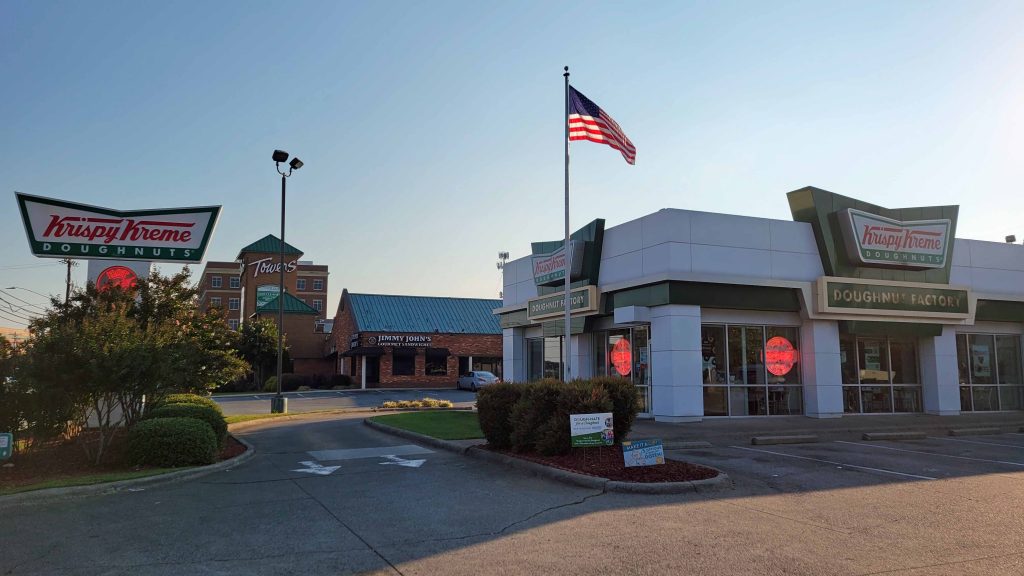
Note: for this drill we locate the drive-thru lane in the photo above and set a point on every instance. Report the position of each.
(382, 505)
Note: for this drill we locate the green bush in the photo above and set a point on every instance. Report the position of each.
(169, 442)
(211, 416)
(494, 405)
(193, 399)
(534, 408)
(534, 417)
(625, 403)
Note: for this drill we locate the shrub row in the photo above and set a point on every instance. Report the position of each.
(179, 430)
(424, 403)
(534, 417)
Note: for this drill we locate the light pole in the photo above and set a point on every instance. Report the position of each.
(502, 260)
(279, 404)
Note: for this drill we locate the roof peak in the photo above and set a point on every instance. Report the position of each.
(269, 244)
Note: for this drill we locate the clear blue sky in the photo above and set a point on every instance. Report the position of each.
(432, 131)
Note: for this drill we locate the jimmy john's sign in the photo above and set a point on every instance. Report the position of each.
(873, 240)
(59, 229)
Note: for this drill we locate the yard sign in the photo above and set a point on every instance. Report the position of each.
(591, 430)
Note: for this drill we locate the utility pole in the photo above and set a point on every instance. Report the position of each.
(67, 289)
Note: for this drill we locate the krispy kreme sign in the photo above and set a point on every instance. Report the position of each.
(873, 240)
(550, 268)
(60, 229)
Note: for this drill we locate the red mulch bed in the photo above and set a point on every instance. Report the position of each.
(606, 462)
(66, 459)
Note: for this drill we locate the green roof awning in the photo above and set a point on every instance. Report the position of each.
(292, 305)
(269, 244)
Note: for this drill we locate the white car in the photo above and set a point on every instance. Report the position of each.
(476, 380)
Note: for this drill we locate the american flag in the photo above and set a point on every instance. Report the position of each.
(588, 122)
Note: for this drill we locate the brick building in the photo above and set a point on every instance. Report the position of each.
(247, 288)
(385, 341)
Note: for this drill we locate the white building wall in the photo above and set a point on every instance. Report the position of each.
(940, 378)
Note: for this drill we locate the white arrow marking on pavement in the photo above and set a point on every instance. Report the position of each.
(314, 468)
(396, 461)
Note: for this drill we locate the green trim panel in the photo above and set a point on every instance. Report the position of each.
(514, 319)
(708, 295)
(891, 329)
(999, 311)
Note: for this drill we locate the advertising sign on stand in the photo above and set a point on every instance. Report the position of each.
(591, 430)
(6, 445)
(647, 452)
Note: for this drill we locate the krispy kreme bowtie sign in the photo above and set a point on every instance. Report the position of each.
(873, 240)
(60, 229)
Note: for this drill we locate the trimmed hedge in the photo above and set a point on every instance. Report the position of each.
(170, 442)
(211, 416)
(534, 417)
(193, 399)
(494, 406)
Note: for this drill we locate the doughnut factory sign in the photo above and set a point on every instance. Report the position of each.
(61, 229)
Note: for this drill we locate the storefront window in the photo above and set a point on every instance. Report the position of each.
(751, 370)
(544, 357)
(990, 372)
(626, 353)
(487, 364)
(712, 340)
(437, 363)
(535, 358)
(880, 375)
(403, 363)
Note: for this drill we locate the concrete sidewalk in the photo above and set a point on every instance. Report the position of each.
(741, 430)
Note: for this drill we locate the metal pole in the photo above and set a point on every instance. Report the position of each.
(568, 252)
(280, 300)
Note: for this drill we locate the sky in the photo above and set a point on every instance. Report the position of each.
(432, 132)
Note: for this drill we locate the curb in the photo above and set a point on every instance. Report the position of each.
(789, 439)
(49, 494)
(894, 436)
(973, 431)
(719, 482)
(318, 413)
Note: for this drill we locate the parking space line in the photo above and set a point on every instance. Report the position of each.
(932, 453)
(882, 470)
(1018, 446)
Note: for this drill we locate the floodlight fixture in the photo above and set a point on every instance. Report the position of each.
(295, 163)
(280, 156)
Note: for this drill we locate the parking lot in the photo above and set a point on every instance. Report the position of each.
(835, 464)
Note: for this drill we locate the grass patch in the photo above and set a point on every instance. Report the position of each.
(247, 417)
(450, 425)
(87, 480)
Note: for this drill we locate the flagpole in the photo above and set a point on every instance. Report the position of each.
(568, 251)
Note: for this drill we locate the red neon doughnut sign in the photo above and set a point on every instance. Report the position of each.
(120, 276)
(622, 357)
(780, 356)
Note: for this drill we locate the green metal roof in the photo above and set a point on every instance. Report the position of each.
(269, 244)
(424, 314)
(292, 305)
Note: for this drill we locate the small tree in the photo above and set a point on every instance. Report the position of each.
(257, 345)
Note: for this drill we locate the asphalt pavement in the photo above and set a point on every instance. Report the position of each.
(327, 495)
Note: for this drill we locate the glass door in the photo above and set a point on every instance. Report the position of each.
(642, 367)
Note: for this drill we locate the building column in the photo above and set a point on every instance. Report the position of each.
(581, 364)
(940, 376)
(677, 393)
(822, 369)
(513, 355)
(362, 370)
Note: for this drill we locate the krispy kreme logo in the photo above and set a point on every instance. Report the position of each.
(874, 240)
(550, 264)
(108, 230)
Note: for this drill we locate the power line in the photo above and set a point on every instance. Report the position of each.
(15, 311)
(23, 322)
(8, 292)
